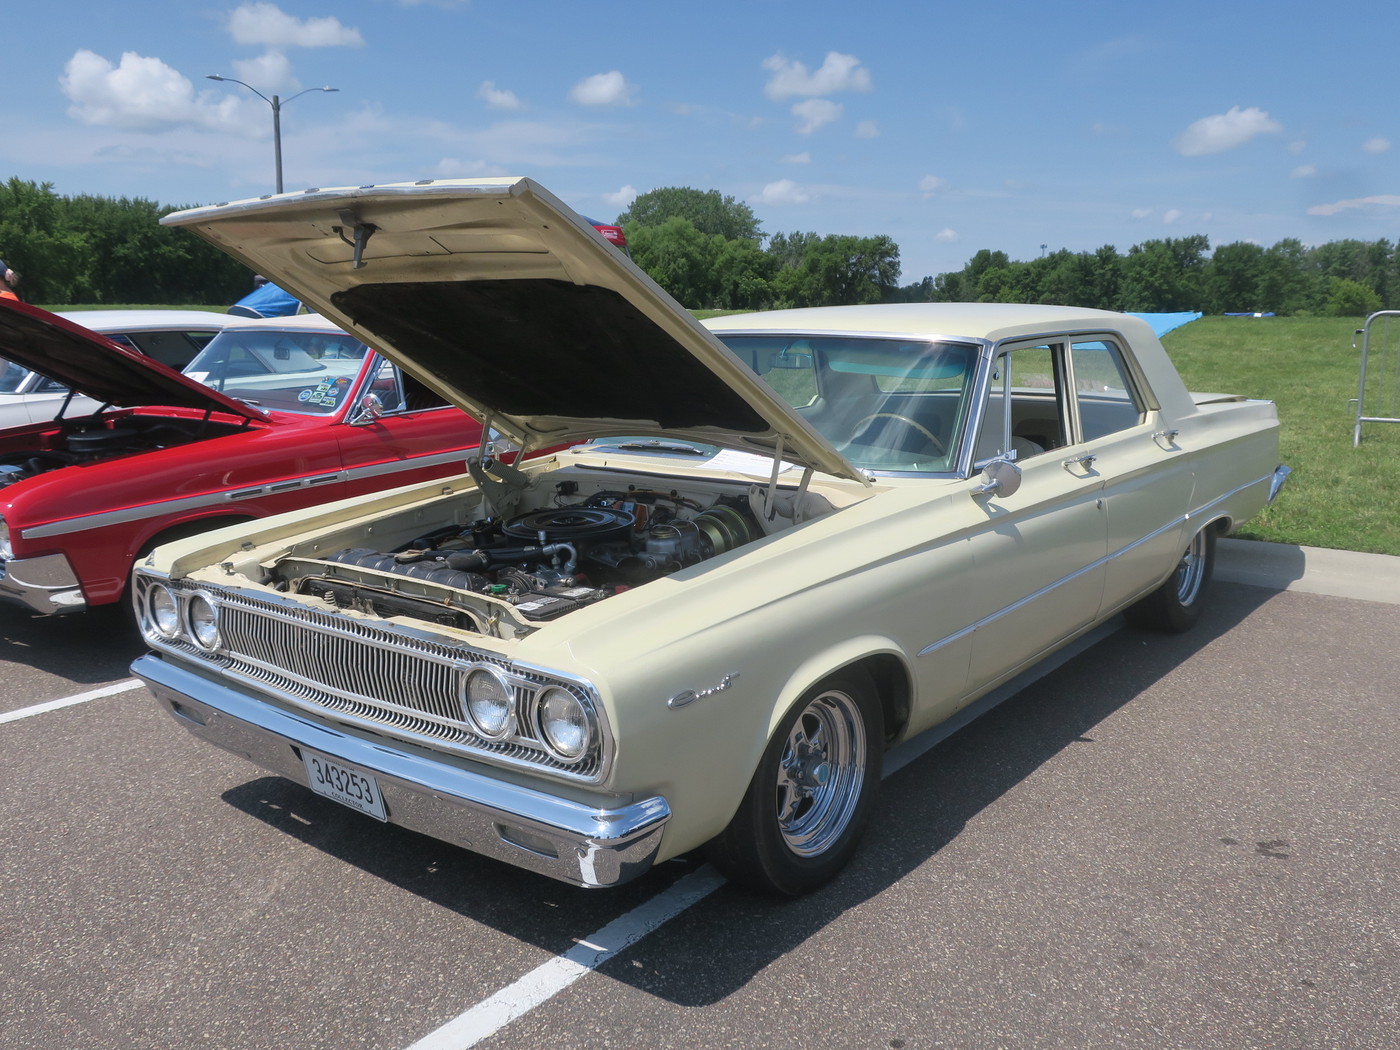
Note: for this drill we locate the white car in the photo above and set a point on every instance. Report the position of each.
(172, 337)
(780, 542)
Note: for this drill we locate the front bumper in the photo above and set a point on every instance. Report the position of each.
(566, 840)
(46, 585)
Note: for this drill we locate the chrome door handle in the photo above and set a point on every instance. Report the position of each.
(1167, 436)
(1086, 461)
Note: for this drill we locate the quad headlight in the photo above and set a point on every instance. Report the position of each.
(565, 725)
(502, 708)
(168, 615)
(486, 703)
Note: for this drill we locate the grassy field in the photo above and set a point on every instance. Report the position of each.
(1339, 496)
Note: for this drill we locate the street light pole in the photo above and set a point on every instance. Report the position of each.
(276, 102)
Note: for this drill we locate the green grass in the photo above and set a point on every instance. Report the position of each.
(1340, 496)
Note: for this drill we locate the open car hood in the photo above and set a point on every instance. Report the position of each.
(500, 297)
(95, 366)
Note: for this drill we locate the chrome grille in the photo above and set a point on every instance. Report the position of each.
(382, 678)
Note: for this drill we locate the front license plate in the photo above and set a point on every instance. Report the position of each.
(348, 785)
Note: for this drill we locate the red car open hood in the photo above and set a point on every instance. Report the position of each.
(93, 365)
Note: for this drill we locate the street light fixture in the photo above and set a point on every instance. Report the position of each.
(276, 103)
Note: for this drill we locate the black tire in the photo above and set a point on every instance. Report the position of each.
(810, 798)
(1176, 605)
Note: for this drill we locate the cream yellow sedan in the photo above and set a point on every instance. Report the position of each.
(775, 544)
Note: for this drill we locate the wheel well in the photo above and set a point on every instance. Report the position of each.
(893, 687)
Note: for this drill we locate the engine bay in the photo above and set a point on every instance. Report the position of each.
(507, 574)
(89, 439)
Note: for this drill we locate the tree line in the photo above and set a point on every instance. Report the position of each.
(710, 252)
(99, 250)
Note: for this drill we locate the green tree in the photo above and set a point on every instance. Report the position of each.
(707, 210)
(840, 270)
(1165, 275)
(1348, 298)
(1234, 279)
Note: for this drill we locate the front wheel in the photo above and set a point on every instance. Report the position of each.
(810, 797)
(1176, 605)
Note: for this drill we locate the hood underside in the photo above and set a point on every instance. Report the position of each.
(94, 366)
(515, 308)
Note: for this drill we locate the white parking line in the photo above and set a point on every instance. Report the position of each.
(69, 701)
(540, 985)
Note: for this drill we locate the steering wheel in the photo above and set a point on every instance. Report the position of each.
(938, 446)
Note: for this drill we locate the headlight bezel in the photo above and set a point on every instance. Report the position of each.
(193, 603)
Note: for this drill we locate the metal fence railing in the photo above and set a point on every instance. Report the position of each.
(1378, 393)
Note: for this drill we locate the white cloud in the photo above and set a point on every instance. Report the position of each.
(784, 191)
(138, 94)
(931, 184)
(267, 25)
(1225, 131)
(814, 113)
(623, 198)
(792, 79)
(1303, 171)
(1386, 200)
(498, 98)
(1142, 213)
(270, 73)
(1376, 145)
(1170, 216)
(946, 235)
(603, 89)
(452, 168)
(867, 129)
(798, 158)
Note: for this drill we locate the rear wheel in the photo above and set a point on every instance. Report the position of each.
(810, 798)
(1176, 605)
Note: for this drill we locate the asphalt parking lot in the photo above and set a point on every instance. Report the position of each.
(1188, 841)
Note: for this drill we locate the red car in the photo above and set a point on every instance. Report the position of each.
(273, 415)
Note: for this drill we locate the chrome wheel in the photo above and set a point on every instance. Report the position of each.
(1191, 571)
(821, 773)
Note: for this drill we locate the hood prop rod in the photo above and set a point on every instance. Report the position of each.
(363, 232)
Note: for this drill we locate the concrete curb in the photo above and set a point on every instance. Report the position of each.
(1284, 567)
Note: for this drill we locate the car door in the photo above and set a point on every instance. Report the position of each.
(1039, 555)
(1146, 481)
(409, 435)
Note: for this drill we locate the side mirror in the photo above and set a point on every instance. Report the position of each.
(1001, 477)
(370, 409)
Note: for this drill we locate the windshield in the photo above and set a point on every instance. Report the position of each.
(289, 370)
(886, 404)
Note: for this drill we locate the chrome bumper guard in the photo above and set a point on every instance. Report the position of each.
(563, 839)
(1276, 483)
(46, 585)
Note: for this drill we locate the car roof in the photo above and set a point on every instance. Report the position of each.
(311, 322)
(110, 321)
(987, 321)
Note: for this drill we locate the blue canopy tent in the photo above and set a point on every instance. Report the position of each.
(265, 301)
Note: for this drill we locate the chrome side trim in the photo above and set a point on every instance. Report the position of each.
(992, 618)
(580, 844)
(227, 496)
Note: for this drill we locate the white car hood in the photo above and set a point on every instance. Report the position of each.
(496, 294)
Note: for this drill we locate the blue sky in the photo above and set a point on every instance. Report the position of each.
(949, 127)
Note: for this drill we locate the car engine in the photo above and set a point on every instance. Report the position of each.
(544, 563)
